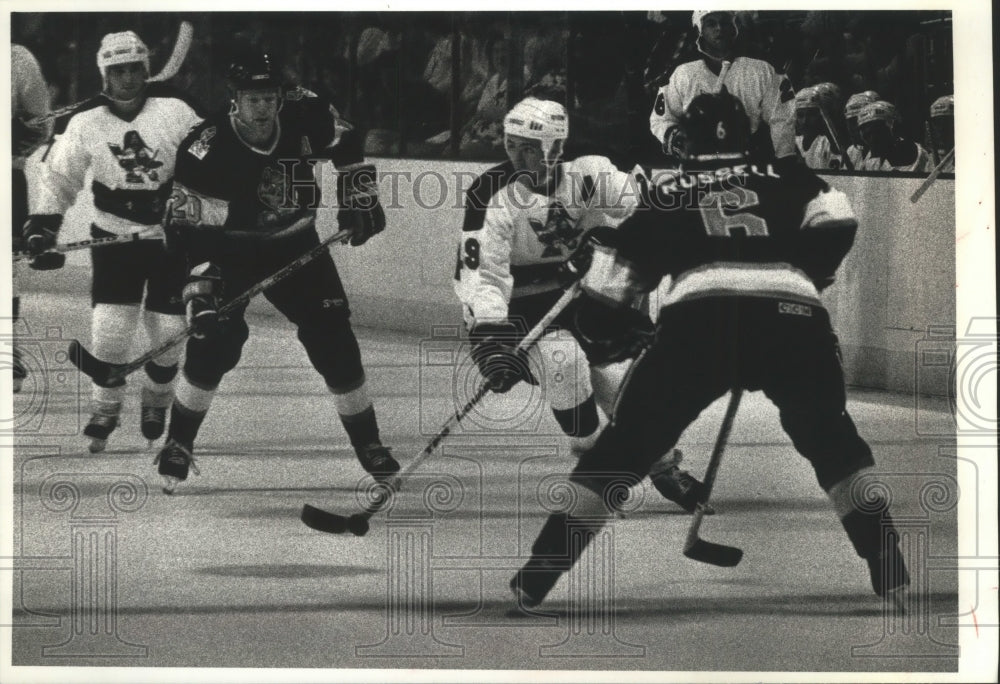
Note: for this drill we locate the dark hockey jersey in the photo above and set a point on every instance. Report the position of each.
(222, 181)
(733, 231)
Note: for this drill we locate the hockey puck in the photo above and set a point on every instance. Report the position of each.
(358, 525)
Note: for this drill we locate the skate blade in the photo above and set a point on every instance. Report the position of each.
(170, 484)
(97, 445)
(896, 600)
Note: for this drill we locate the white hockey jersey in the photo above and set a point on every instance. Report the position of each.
(131, 162)
(922, 163)
(767, 97)
(820, 155)
(857, 155)
(525, 236)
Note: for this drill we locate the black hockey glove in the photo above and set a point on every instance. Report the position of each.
(360, 210)
(40, 233)
(674, 142)
(494, 349)
(202, 294)
(608, 335)
(578, 263)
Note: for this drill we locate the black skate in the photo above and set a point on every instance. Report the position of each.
(102, 423)
(20, 371)
(678, 485)
(533, 582)
(378, 461)
(888, 571)
(153, 414)
(174, 461)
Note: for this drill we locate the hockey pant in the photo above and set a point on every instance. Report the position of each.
(785, 349)
(126, 277)
(312, 298)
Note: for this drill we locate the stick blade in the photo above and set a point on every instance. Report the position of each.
(714, 554)
(324, 521)
(91, 366)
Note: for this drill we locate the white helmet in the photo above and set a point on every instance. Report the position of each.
(879, 111)
(543, 120)
(943, 106)
(857, 101)
(123, 47)
(698, 16)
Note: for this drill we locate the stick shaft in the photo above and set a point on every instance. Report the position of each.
(83, 244)
(529, 341)
(278, 275)
(929, 181)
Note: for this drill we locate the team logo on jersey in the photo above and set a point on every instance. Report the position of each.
(274, 191)
(137, 158)
(558, 231)
(199, 148)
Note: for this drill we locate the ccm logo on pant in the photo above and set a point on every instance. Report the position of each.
(796, 309)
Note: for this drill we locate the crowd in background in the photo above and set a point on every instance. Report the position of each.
(395, 75)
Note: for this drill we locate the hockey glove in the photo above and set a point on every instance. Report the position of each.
(494, 349)
(675, 142)
(609, 335)
(202, 294)
(360, 210)
(578, 263)
(40, 234)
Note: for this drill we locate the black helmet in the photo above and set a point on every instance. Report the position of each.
(716, 124)
(253, 70)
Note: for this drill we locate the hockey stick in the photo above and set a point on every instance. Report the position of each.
(929, 181)
(104, 372)
(185, 35)
(836, 141)
(695, 547)
(83, 244)
(357, 524)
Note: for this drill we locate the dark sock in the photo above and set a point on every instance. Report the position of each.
(184, 424)
(361, 428)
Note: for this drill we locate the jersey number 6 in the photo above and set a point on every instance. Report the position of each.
(718, 223)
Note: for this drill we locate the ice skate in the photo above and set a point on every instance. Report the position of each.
(890, 578)
(153, 414)
(678, 485)
(174, 461)
(20, 372)
(377, 460)
(533, 582)
(102, 423)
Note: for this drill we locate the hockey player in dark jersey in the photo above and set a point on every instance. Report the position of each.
(523, 221)
(749, 249)
(244, 205)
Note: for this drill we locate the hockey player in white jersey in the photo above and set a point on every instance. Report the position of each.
(127, 141)
(857, 151)
(817, 107)
(942, 125)
(888, 151)
(766, 96)
(511, 259)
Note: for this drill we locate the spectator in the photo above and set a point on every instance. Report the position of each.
(482, 136)
(889, 151)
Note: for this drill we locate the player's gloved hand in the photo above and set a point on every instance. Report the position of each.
(607, 334)
(40, 233)
(674, 142)
(578, 263)
(494, 349)
(202, 294)
(360, 210)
